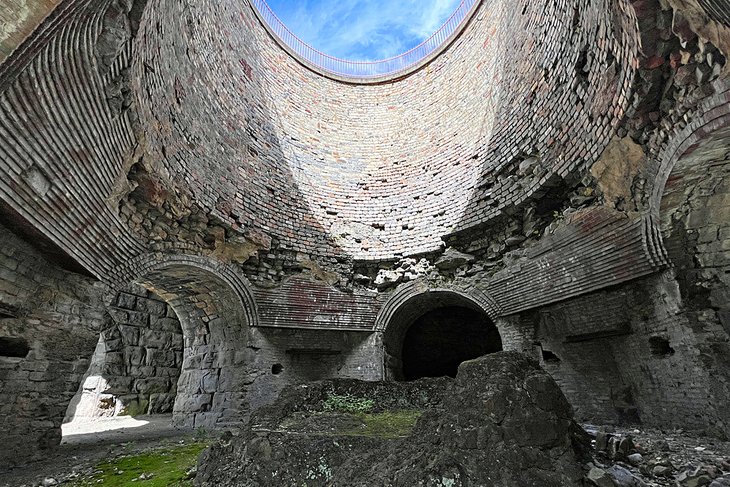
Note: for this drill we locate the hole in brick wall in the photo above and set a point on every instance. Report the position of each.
(659, 346)
(576, 18)
(13, 347)
(277, 369)
(581, 65)
(441, 339)
(8, 311)
(610, 58)
(549, 357)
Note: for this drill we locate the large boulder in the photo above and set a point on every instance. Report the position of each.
(502, 422)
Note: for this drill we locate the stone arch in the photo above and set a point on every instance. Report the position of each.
(689, 199)
(216, 308)
(415, 300)
(136, 363)
(414, 288)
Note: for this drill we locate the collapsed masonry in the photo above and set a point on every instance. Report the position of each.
(503, 421)
(211, 220)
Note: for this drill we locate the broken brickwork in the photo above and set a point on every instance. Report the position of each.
(559, 169)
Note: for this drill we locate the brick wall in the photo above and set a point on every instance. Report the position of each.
(383, 170)
(197, 134)
(631, 354)
(696, 223)
(284, 356)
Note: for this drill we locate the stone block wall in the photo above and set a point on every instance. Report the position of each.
(661, 360)
(197, 134)
(285, 356)
(696, 225)
(137, 363)
(50, 320)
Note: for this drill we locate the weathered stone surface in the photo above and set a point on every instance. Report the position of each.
(139, 361)
(616, 170)
(452, 258)
(182, 141)
(623, 478)
(45, 346)
(600, 478)
(502, 421)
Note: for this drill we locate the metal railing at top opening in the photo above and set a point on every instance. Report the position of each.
(364, 69)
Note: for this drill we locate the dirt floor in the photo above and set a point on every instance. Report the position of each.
(86, 443)
(665, 458)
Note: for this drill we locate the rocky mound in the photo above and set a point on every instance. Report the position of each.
(502, 422)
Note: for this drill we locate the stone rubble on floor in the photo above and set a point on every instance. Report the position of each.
(648, 458)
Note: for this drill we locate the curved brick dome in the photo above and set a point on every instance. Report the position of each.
(379, 171)
(280, 213)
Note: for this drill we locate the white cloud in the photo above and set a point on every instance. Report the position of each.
(363, 29)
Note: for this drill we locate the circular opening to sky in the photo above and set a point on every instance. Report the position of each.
(364, 38)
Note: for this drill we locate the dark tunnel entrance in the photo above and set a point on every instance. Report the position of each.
(430, 333)
(437, 342)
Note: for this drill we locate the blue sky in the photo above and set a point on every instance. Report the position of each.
(363, 29)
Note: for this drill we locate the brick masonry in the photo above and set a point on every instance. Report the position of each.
(550, 169)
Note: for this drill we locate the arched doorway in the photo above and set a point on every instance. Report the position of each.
(432, 332)
(695, 225)
(137, 361)
(440, 339)
(215, 322)
(185, 349)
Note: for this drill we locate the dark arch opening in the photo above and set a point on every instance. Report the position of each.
(441, 339)
(433, 332)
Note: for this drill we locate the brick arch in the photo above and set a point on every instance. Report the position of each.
(713, 115)
(216, 308)
(407, 291)
(413, 300)
(154, 263)
(690, 201)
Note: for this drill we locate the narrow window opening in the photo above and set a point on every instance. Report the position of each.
(13, 347)
(660, 347)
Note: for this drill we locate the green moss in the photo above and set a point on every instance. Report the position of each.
(347, 403)
(167, 466)
(388, 424)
